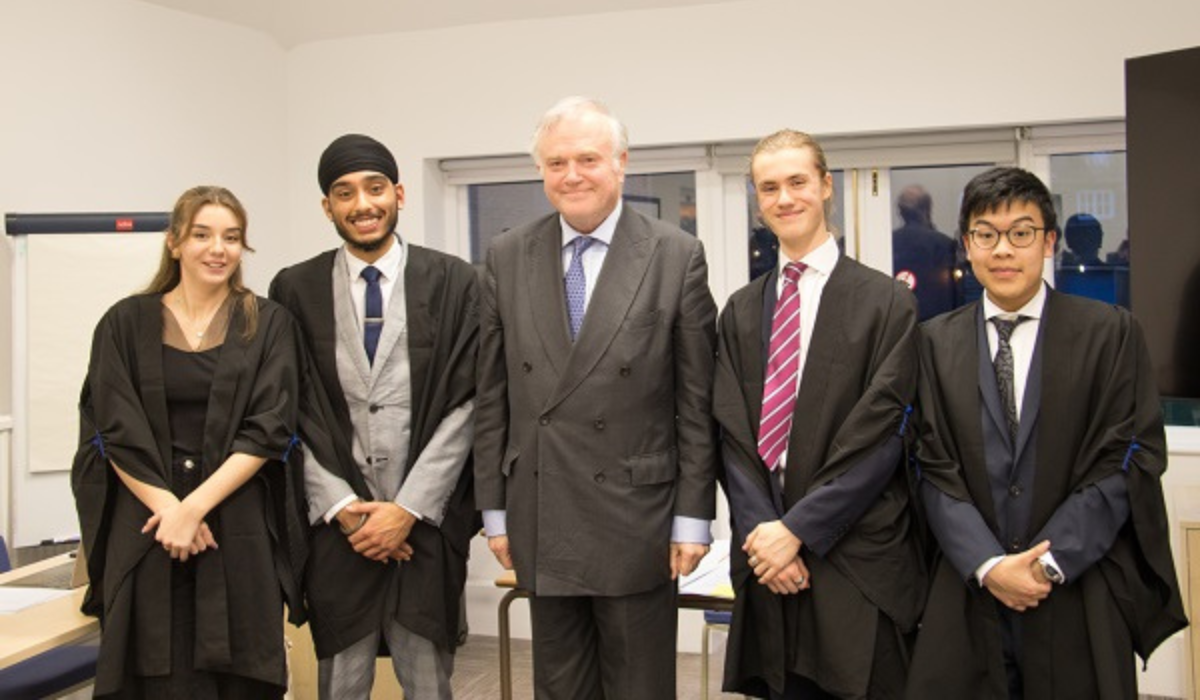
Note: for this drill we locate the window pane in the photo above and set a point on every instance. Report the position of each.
(764, 246)
(1093, 257)
(926, 253)
(496, 208)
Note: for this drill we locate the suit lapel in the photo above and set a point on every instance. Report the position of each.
(394, 323)
(988, 389)
(547, 300)
(1032, 401)
(349, 333)
(624, 267)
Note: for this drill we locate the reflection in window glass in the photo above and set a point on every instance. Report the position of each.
(764, 247)
(495, 208)
(1093, 247)
(926, 252)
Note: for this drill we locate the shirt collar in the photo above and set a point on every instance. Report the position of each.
(1032, 309)
(389, 264)
(603, 233)
(821, 260)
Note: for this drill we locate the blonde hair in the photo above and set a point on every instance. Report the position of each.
(790, 138)
(182, 216)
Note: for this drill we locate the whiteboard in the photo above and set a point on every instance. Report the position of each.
(70, 281)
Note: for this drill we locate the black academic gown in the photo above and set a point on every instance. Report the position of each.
(344, 590)
(850, 414)
(1099, 416)
(252, 409)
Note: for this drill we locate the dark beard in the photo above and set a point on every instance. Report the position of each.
(369, 246)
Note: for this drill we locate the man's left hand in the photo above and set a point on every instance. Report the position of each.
(385, 534)
(685, 556)
(771, 548)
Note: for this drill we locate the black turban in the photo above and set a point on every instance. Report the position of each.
(352, 153)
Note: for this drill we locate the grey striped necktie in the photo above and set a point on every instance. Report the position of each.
(1003, 363)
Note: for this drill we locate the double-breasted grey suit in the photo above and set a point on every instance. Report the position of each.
(593, 447)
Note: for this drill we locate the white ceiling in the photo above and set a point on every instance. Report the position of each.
(293, 22)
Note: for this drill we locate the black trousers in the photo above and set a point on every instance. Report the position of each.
(605, 648)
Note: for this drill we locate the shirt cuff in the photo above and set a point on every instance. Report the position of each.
(685, 530)
(495, 523)
(985, 567)
(337, 507)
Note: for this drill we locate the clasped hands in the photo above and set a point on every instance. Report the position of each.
(383, 534)
(1018, 580)
(179, 527)
(774, 553)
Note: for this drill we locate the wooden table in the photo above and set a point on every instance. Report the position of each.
(685, 601)
(43, 627)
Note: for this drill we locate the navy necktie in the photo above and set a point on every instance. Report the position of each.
(373, 311)
(575, 284)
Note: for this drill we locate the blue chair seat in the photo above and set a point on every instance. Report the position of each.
(52, 672)
(718, 617)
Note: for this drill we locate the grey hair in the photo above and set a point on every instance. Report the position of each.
(576, 106)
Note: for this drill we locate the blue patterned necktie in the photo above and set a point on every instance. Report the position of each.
(1003, 363)
(373, 311)
(575, 284)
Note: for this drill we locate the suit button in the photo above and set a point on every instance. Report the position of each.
(189, 464)
(526, 367)
(1015, 545)
(374, 408)
(625, 371)
(598, 424)
(1014, 490)
(544, 420)
(599, 477)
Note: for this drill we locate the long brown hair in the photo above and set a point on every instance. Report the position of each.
(182, 216)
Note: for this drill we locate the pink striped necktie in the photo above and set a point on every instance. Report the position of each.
(783, 364)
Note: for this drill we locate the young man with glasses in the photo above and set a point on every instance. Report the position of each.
(1041, 450)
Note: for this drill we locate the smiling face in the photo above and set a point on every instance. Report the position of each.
(210, 250)
(1010, 275)
(580, 174)
(791, 192)
(363, 207)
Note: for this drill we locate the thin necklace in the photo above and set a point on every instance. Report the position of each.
(181, 302)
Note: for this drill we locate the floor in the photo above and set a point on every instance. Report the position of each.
(477, 672)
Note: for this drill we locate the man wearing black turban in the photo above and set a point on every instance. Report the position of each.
(391, 330)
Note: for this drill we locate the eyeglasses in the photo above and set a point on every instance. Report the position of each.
(1019, 236)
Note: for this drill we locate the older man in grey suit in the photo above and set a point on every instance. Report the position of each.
(595, 459)
(391, 329)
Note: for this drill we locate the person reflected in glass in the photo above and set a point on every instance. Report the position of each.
(1084, 236)
(923, 257)
(185, 497)
(816, 368)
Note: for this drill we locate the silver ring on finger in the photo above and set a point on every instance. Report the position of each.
(753, 560)
(800, 580)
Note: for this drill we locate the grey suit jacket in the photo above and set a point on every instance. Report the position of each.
(594, 447)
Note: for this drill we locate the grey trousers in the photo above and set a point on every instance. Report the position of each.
(421, 667)
(597, 648)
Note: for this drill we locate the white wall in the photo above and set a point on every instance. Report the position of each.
(719, 72)
(115, 104)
